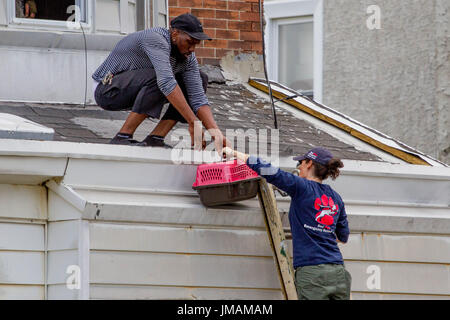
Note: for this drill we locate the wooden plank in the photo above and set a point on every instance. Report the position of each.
(277, 239)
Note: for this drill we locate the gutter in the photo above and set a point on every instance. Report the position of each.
(347, 124)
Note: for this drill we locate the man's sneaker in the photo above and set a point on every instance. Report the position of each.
(123, 140)
(154, 141)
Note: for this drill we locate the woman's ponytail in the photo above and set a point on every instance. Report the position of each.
(333, 168)
(330, 170)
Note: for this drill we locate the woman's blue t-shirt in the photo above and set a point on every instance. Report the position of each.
(316, 215)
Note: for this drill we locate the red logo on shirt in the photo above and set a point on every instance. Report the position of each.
(328, 209)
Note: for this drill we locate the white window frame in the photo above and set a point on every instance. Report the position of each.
(155, 12)
(44, 24)
(300, 9)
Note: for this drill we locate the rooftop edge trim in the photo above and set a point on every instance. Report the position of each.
(410, 157)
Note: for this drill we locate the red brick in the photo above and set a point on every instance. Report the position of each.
(257, 46)
(256, 26)
(174, 12)
(205, 52)
(227, 34)
(215, 4)
(211, 61)
(216, 43)
(240, 25)
(210, 32)
(249, 16)
(255, 7)
(190, 3)
(204, 13)
(241, 45)
(220, 53)
(251, 36)
(173, 3)
(240, 6)
(254, 1)
(226, 14)
(214, 23)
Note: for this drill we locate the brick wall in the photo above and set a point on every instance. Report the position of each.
(233, 25)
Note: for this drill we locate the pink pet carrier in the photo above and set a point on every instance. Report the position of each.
(225, 182)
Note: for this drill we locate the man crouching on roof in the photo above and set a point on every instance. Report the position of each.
(149, 68)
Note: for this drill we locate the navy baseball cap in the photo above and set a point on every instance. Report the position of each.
(191, 25)
(318, 154)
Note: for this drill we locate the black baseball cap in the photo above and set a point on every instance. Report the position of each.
(318, 154)
(191, 25)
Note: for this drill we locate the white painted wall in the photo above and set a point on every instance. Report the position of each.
(47, 63)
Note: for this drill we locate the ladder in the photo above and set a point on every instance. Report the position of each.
(277, 239)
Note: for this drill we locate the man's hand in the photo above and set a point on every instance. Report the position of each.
(229, 153)
(205, 115)
(197, 135)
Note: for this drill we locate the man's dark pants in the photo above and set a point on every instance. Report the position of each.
(137, 90)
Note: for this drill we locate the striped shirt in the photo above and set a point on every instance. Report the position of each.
(151, 48)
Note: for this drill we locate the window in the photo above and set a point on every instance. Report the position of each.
(294, 44)
(296, 54)
(47, 12)
(155, 14)
(160, 13)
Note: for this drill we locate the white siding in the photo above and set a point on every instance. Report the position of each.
(180, 262)
(135, 237)
(22, 261)
(21, 267)
(170, 293)
(60, 292)
(59, 209)
(398, 247)
(146, 238)
(58, 262)
(25, 202)
(384, 296)
(406, 278)
(21, 237)
(63, 235)
(139, 268)
(21, 292)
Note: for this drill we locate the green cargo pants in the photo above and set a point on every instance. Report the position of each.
(323, 282)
